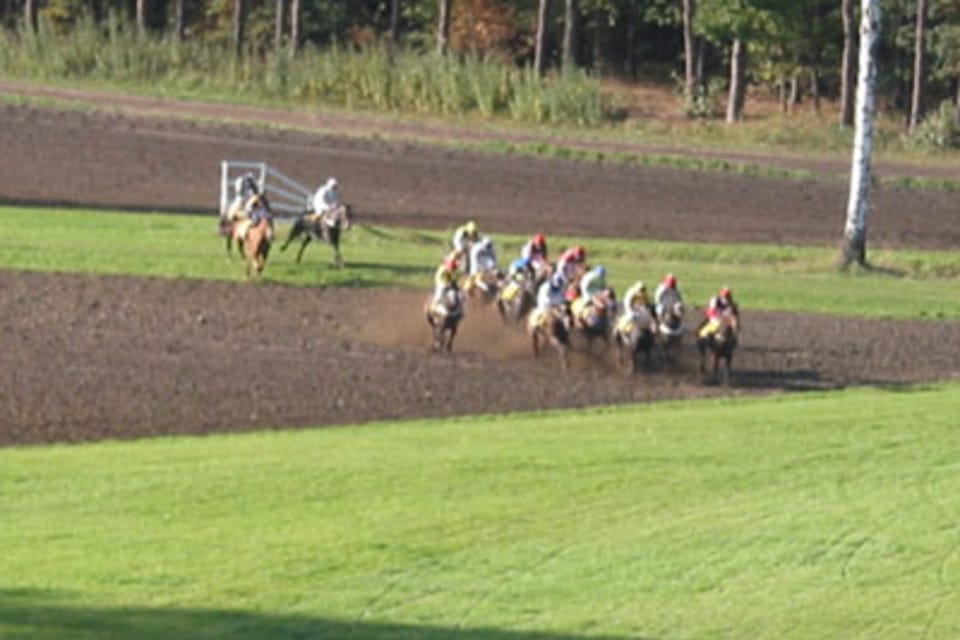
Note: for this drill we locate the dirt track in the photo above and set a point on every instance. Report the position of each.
(93, 357)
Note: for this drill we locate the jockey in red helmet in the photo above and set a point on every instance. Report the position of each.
(667, 294)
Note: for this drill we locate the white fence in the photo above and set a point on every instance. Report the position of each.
(287, 196)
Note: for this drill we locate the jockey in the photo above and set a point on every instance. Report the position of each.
(667, 293)
(551, 294)
(535, 250)
(571, 262)
(483, 257)
(326, 198)
(520, 269)
(723, 304)
(244, 189)
(637, 298)
(593, 282)
(720, 306)
(445, 277)
(464, 236)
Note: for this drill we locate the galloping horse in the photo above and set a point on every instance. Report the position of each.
(635, 333)
(592, 316)
(550, 327)
(486, 283)
(444, 317)
(257, 245)
(516, 298)
(324, 227)
(670, 323)
(717, 338)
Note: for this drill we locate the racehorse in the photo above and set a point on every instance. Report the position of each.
(256, 245)
(670, 324)
(486, 283)
(634, 333)
(550, 327)
(592, 316)
(444, 317)
(325, 227)
(516, 298)
(717, 338)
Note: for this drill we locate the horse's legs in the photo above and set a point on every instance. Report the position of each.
(303, 245)
(451, 334)
(535, 341)
(295, 231)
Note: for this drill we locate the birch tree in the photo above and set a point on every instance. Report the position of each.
(541, 39)
(858, 205)
(443, 26)
(848, 64)
(919, 65)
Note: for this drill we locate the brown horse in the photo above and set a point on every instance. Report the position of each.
(256, 245)
(717, 338)
(444, 317)
(550, 327)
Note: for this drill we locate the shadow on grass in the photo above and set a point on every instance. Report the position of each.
(35, 613)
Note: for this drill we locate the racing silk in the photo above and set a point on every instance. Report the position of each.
(327, 198)
(568, 265)
(482, 259)
(519, 269)
(667, 295)
(462, 238)
(636, 297)
(549, 296)
(719, 307)
(592, 283)
(258, 210)
(534, 254)
(444, 277)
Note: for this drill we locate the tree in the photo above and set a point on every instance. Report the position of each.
(30, 15)
(543, 6)
(570, 18)
(294, 26)
(848, 65)
(394, 22)
(691, 80)
(178, 20)
(239, 23)
(737, 93)
(278, 26)
(443, 26)
(919, 65)
(858, 205)
(142, 17)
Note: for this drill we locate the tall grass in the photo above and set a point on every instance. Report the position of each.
(407, 81)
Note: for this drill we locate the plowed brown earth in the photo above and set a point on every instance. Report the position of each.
(89, 357)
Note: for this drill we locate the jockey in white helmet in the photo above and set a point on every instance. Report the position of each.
(326, 198)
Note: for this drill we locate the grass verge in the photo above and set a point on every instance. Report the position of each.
(707, 519)
(909, 284)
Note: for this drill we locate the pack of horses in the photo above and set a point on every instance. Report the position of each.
(642, 337)
(254, 238)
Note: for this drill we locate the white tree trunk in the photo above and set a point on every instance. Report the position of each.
(443, 26)
(919, 65)
(848, 67)
(737, 90)
(538, 54)
(858, 205)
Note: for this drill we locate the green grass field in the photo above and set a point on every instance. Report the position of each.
(799, 516)
(815, 515)
(909, 284)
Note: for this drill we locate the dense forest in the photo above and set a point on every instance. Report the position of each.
(795, 49)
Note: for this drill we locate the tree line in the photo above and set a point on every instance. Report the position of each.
(797, 49)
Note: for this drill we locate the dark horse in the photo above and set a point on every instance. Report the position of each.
(550, 327)
(325, 227)
(444, 317)
(717, 339)
(516, 298)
